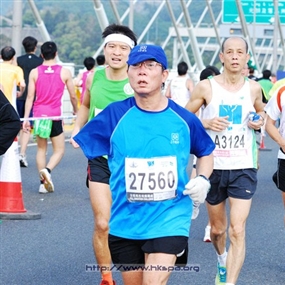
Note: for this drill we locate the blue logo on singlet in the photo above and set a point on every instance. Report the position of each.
(233, 111)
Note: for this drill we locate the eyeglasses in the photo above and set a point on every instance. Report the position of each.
(147, 64)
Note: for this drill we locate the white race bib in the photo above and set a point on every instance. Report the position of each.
(230, 145)
(151, 179)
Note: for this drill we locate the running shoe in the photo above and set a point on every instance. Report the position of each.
(46, 178)
(104, 282)
(42, 189)
(221, 276)
(196, 210)
(207, 237)
(23, 160)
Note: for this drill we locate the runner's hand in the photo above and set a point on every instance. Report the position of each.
(74, 143)
(197, 189)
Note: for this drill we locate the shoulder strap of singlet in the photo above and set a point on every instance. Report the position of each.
(280, 91)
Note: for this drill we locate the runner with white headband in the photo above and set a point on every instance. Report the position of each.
(102, 88)
(119, 38)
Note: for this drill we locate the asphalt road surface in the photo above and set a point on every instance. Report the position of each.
(57, 248)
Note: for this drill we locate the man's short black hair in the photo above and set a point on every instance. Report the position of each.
(214, 69)
(48, 50)
(100, 59)
(205, 73)
(7, 53)
(29, 43)
(182, 68)
(89, 62)
(266, 74)
(210, 70)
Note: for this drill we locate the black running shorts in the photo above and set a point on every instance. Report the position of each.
(240, 184)
(127, 252)
(56, 128)
(98, 170)
(279, 176)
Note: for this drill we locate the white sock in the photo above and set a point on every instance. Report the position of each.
(230, 283)
(222, 259)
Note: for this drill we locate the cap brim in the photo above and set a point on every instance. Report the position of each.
(140, 58)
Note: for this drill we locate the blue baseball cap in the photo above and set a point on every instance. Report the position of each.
(145, 52)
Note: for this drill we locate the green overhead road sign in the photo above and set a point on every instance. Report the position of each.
(258, 11)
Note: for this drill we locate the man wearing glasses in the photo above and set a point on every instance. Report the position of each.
(148, 139)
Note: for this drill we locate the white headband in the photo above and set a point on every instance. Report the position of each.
(119, 38)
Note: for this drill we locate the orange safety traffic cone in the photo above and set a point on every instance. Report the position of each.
(262, 143)
(11, 198)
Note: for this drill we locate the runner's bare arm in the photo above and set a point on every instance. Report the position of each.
(202, 95)
(30, 98)
(256, 96)
(83, 113)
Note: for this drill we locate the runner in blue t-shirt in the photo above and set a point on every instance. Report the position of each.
(148, 139)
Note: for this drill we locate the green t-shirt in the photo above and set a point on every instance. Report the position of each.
(266, 85)
(104, 91)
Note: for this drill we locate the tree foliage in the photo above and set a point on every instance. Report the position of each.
(74, 26)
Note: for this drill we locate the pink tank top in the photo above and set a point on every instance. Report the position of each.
(84, 77)
(49, 91)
